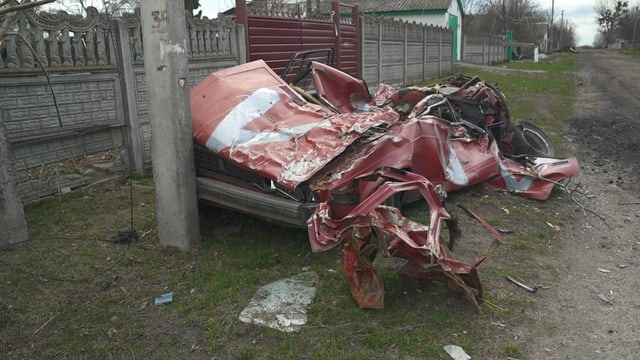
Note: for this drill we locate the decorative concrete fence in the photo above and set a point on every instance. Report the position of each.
(91, 96)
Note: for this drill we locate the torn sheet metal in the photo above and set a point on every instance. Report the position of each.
(372, 228)
(259, 123)
(535, 181)
(282, 305)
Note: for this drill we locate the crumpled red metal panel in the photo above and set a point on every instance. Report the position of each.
(371, 228)
(429, 146)
(344, 92)
(535, 181)
(383, 93)
(245, 100)
(248, 115)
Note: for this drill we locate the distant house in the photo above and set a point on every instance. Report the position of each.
(445, 13)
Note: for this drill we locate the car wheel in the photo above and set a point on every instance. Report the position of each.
(529, 139)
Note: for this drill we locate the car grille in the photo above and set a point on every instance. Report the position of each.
(209, 165)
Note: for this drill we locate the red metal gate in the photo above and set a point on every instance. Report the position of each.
(274, 35)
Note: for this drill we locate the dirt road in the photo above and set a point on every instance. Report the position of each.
(594, 310)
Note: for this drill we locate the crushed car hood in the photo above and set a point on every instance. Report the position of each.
(251, 117)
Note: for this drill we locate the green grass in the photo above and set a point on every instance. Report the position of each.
(71, 293)
(512, 350)
(632, 52)
(560, 62)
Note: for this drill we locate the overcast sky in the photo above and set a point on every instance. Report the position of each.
(211, 8)
(580, 13)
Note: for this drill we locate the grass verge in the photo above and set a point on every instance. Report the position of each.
(632, 52)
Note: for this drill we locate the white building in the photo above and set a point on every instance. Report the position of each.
(444, 13)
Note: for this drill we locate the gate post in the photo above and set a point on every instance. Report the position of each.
(335, 16)
(242, 20)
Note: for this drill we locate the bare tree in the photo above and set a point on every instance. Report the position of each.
(472, 6)
(609, 14)
(108, 7)
(629, 26)
(521, 17)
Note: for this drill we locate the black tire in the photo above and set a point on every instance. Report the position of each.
(529, 139)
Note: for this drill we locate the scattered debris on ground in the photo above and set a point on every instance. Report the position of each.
(282, 305)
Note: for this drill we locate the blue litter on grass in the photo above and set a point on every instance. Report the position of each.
(164, 299)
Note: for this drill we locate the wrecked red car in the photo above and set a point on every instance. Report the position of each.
(321, 152)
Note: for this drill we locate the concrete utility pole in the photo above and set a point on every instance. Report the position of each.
(164, 33)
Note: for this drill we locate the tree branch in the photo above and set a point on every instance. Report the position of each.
(44, 70)
(24, 6)
(578, 189)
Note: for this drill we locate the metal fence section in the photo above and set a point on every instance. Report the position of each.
(275, 32)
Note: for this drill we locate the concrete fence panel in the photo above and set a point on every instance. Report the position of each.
(484, 49)
(93, 95)
(400, 53)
